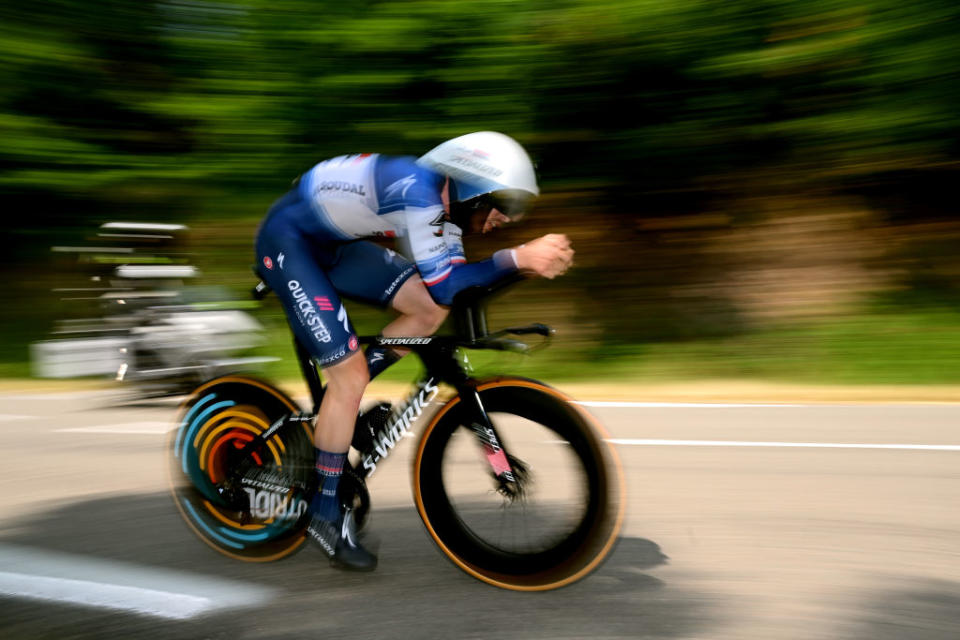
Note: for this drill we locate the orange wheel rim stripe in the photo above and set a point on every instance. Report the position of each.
(615, 459)
(260, 385)
(203, 456)
(236, 413)
(232, 523)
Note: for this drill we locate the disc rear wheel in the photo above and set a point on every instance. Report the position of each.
(219, 431)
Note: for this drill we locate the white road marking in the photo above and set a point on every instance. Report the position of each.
(53, 577)
(802, 445)
(137, 428)
(687, 405)
(161, 604)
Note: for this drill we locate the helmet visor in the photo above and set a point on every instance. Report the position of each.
(512, 203)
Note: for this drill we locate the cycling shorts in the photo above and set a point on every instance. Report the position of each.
(309, 276)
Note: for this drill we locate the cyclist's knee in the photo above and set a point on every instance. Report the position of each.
(432, 317)
(349, 377)
(413, 300)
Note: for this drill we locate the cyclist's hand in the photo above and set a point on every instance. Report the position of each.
(548, 256)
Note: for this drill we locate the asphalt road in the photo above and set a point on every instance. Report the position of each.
(742, 522)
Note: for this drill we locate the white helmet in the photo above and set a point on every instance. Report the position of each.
(486, 163)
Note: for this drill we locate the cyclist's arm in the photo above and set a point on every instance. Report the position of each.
(453, 235)
(440, 258)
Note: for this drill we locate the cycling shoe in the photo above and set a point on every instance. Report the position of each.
(339, 541)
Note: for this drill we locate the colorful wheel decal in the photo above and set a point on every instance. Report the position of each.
(197, 422)
(223, 413)
(242, 412)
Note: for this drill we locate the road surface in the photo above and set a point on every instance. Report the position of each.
(766, 521)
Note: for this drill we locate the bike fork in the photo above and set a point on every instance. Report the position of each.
(503, 466)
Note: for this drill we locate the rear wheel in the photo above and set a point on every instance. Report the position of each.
(551, 527)
(220, 430)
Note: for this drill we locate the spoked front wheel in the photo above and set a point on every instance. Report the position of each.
(555, 523)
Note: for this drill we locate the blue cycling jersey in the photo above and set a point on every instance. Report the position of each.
(370, 195)
(311, 251)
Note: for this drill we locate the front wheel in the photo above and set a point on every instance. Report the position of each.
(564, 515)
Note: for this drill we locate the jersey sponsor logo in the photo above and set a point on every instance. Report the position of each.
(400, 187)
(342, 317)
(280, 259)
(323, 303)
(353, 343)
(309, 317)
(267, 262)
(438, 222)
(400, 278)
(339, 185)
(384, 234)
(333, 357)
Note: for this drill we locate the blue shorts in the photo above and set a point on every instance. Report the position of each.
(309, 276)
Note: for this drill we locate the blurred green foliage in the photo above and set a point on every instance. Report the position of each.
(128, 102)
(202, 111)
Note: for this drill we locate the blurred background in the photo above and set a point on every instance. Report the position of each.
(755, 188)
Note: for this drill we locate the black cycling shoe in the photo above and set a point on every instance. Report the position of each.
(339, 541)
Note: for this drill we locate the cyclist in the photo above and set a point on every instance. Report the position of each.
(311, 252)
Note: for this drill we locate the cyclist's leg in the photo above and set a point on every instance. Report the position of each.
(346, 381)
(379, 276)
(320, 322)
(294, 270)
(419, 314)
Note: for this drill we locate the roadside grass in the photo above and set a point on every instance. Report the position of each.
(891, 348)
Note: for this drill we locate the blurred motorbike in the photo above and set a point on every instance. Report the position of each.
(142, 321)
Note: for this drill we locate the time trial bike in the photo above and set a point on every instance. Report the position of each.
(514, 482)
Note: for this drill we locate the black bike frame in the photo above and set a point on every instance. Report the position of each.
(439, 355)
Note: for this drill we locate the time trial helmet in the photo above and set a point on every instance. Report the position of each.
(484, 168)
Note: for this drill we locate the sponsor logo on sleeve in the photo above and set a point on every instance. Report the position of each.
(267, 262)
(438, 222)
(400, 187)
